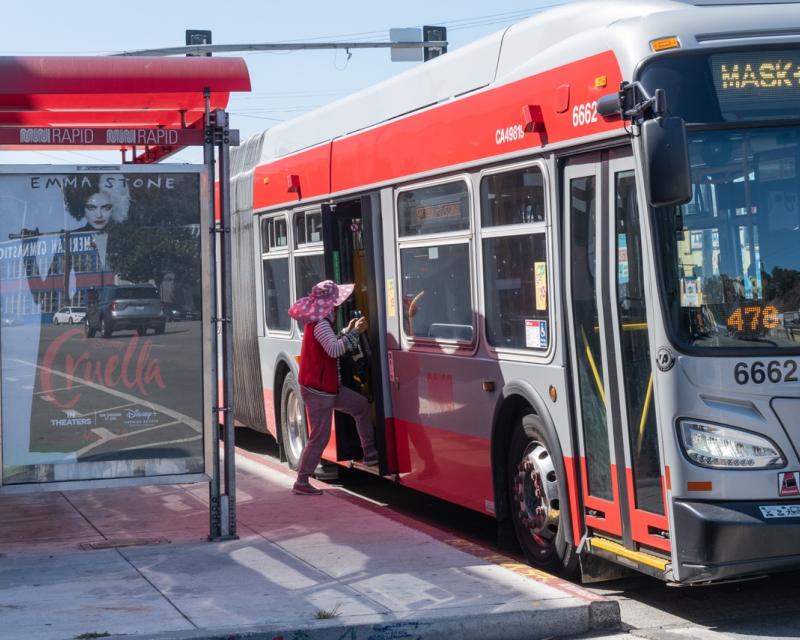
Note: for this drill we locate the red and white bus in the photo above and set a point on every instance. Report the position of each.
(582, 294)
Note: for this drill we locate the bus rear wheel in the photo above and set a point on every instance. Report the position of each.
(294, 432)
(536, 496)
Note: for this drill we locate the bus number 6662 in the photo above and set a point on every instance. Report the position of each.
(759, 372)
(584, 114)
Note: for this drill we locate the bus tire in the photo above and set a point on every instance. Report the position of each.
(294, 432)
(535, 498)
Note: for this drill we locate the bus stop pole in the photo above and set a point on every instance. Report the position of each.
(226, 282)
(214, 512)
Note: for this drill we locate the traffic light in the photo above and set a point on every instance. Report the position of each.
(196, 37)
(434, 34)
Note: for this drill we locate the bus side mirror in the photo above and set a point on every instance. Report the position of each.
(666, 161)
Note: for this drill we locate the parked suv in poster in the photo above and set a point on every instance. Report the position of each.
(121, 307)
(69, 315)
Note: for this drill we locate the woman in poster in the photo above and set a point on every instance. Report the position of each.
(98, 202)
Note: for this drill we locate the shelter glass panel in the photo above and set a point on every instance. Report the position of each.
(75, 405)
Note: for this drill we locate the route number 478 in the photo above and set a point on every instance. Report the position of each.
(585, 113)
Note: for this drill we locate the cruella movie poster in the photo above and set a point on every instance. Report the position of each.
(100, 325)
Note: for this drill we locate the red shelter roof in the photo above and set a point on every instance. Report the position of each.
(113, 91)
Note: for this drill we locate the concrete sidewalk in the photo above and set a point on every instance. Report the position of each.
(135, 562)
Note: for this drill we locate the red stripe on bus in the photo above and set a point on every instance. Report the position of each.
(574, 509)
(611, 523)
(448, 465)
(641, 521)
(481, 125)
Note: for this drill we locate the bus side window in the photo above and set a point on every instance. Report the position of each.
(515, 275)
(435, 248)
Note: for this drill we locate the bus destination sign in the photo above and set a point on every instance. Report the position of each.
(744, 80)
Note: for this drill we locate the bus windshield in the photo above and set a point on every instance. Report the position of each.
(730, 259)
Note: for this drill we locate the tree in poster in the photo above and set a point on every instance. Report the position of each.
(161, 234)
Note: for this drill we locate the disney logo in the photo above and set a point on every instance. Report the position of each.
(141, 415)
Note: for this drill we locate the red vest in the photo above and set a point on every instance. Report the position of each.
(317, 369)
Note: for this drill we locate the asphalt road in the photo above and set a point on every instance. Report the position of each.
(763, 609)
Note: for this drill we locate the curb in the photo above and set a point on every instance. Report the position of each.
(527, 624)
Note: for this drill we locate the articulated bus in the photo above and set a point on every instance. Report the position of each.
(577, 243)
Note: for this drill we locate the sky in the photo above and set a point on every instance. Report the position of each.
(284, 85)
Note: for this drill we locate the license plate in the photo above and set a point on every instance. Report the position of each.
(781, 511)
(140, 307)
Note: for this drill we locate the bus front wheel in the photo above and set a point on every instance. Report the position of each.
(536, 496)
(293, 421)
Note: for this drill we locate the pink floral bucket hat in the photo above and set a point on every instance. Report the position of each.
(325, 296)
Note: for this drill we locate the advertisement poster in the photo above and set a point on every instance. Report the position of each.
(100, 325)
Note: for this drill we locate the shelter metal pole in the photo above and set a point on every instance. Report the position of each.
(227, 318)
(215, 523)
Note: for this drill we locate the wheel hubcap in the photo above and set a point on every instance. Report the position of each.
(294, 420)
(536, 495)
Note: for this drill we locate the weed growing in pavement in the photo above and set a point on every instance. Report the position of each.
(324, 614)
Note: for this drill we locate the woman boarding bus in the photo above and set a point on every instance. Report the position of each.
(600, 206)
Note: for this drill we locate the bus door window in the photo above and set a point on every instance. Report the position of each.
(586, 334)
(635, 348)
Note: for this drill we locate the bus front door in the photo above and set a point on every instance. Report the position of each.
(611, 369)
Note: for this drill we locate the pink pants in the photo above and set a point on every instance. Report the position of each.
(319, 410)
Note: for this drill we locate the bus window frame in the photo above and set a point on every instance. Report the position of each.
(298, 246)
(448, 238)
(277, 253)
(301, 250)
(543, 356)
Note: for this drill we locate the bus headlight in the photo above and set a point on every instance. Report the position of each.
(711, 445)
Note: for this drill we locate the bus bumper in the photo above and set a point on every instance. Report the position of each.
(725, 540)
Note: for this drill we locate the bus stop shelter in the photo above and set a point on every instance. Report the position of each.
(148, 108)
